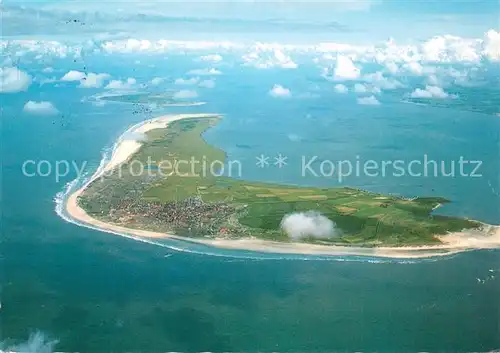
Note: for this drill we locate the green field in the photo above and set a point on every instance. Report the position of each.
(190, 203)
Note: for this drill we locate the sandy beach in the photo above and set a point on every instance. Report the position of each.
(488, 238)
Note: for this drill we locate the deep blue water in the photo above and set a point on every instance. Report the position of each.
(98, 292)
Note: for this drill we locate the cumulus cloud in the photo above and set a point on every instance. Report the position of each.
(40, 108)
(432, 92)
(283, 60)
(13, 80)
(156, 81)
(211, 57)
(392, 67)
(345, 69)
(73, 76)
(185, 94)
(360, 88)
(93, 80)
(207, 84)
(439, 49)
(491, 46)
(308, 224)
(117, 84)
(377, 79)
(363, 88)
(414, 68)
(371, 100)
(89, 80)
(189, 81)
(205, 72)
(341, 88)
(280, 91)
(48, 70)
(266, 57)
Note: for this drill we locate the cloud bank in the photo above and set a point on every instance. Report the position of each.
(308, 224)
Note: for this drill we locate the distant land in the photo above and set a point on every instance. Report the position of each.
(164, 99)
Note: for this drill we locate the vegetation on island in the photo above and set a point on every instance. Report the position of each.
(213, 207)
(160, 99)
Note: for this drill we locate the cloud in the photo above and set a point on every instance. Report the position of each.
(378, 80)
(40, 108)
(294, 137)
(339, 88)
(432, 92)
(414, 68)
(189, 81)
(207, 84)
(360, 88)
(363, 88)
(117, 84)
(205, 72)
(392, 67)
(73, 76)
(156, 81)
(185, 94)
(211, 57)
(87, 80)
(438, 49)
(308, 224)
(448, 48)
(266, 56)
(280, 91)
(92, 80)
(13, 80)
(345, 69)
(368, 101)
(48, 70)
(491, 45)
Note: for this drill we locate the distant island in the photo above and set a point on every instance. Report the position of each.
(232, 213)
(164, 99)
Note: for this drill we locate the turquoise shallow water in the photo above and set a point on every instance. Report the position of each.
(97, 292)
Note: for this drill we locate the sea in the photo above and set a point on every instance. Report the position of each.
(88, 291)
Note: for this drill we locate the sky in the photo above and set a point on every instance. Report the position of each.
(353, 21)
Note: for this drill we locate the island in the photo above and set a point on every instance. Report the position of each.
(149, 188)
(161, 99)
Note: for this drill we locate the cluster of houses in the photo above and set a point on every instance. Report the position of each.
(190, 216)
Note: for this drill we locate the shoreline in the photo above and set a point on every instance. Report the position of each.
(453, 243)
